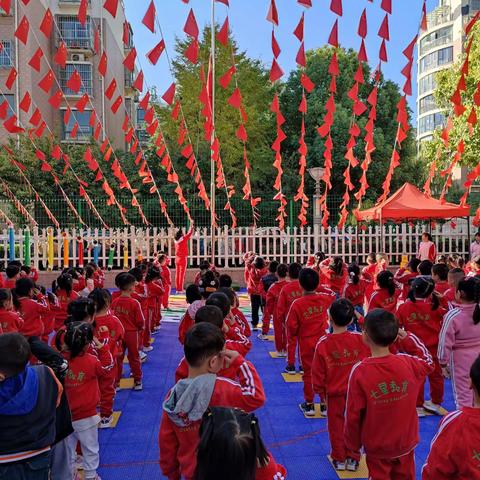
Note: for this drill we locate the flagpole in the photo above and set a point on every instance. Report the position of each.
(212, 161)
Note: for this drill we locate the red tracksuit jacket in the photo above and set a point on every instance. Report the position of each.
(381, 410)
(181, 246)
(10, 321)
(237, 341)
(129, 312)
(81, 382)
(109, 328)
(272, 298)
(334, 281)
(454, 453)
(442, 287)
(178, 436)
(63, 301)
(356, 293)
(273, 471)
(420, 319)
(290, 292)
(31, 312)
(380, 298)
(335, 356)
(155, 293)
(254, 280)
(242, 321)
(404, 277)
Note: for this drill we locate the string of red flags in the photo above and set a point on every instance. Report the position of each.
(17, 203)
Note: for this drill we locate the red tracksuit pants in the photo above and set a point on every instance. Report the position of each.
(306, 347)
(401, 468)
(336, 420)
(280, 334)
(166, 295)
(148, 314)
(292, 343)
(130, 343)
(107, 392)
(436, 381)
(180, 271)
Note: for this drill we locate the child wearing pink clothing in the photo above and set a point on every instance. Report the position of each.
(459, 344)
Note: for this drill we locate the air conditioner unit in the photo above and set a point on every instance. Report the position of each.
(78, 57)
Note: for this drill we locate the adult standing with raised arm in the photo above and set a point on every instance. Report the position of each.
(181, 254)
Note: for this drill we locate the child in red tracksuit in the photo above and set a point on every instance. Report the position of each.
(166, 279)
(240, 318)
(440, 277)
(386, 294)
(231, 447)
(422, 315)
(455, 275)
(129, 312)
(255, 269)
(12, 274)
(355, 291)
(83, 394)
(307, 322)
(195, 301)
(382, 394)
(155, 291)
(404, 276)
(10, 321)
(272, 311)
(334, 271)
(454, 453)
(63, 289)
(188, 400)
(335, 355)
(109, 330)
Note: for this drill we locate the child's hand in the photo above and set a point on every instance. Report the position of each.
(97, 343)
(402, 334)
(446, 371)
(229, 356)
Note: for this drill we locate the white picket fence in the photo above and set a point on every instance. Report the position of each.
(294, 244)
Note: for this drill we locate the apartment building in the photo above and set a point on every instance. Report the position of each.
(81, 56)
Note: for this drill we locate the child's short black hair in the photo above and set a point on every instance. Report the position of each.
(413, 264)
(381, 327)
(23, 287)
(101, 298)
(425, 267)
(230, 294)
(441, 271)
(14, 354)
(259, 263)
(342, 312)
(221, 301)
(201, 342)
(26, 268)
(204, 265)
(124, 281)
(210, 314)
(225, 280)
(137, 273)
(294, 270)
(309, 279)
(153, 273)
(208, 284)
(272, 267)
(282, 270)
(192, 293)
(16, 263)
(77, 337)
(12, 270)
(5, 297)
(81, 309)
(475, 375)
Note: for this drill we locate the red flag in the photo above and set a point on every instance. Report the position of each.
(154, 54)
(222, 35)
(4, 107)
(149, 18)
(408, 52)
(96, 41)
(56, 99)
(144, 101)
(387, 6)
(336, 7)
(138, 83)
(82, 103)
(362, 52)
(46, 82)
(225, 2)
(191, 27)
(305, 3)
(169, 95)
(472, 118)
(272, 15)
(301, 59)
(126, 34)
(333, 37)
(298, 32)
(191, 52)
(102, 65)
(241, 133)
(111, 7)
(383, 31)
(307, 84)
(56, 152)
(26, 102)
(35, 61)
(235, 99)
(67, 115)
(362, 24)
(423, 23)
(129, 61)
(275, 46)
(110, 90)
(22, 30)
(116, 104)
(60, 57)
(36, 117)
(75, 81)
(82, 12)
(382, 54)
(47, 23)
(275, 72)
(5, 5)
(12, 76)
(227, 77)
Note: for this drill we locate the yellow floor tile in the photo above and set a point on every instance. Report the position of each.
(126, 383)
(362, 471)
(270, 338)
(317, 413)
(297, 378)
(442, 413)
(275, 355)
(115, 419)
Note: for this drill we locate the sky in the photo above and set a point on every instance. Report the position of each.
(253, 33)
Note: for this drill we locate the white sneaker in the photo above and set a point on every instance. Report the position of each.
(421, 412)
(143, 356)
(138, 386)
(261, 336)
(282, 354)
(429, 406)
(339, 466)
(106, 422)
(147, 349)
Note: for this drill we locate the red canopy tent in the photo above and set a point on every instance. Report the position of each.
(409, 203)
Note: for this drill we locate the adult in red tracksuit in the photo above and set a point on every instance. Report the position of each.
(129, 312)
(381, 412)
(307, 322)
(271, 304)
(335, 356)
(255, 269)
(422, 315)
(181, 255)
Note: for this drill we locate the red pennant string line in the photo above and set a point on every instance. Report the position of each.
(17, 203)
(6, 218)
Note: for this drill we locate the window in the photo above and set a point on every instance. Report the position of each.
(436, 59)
(140, 116)
(6, 54)
(128, 78)
(85, 71)
(84, 129)
(475, 5)
(73, 33)
(435, 39)
(426, 104)
(427, 84)
(142, 136)
(430, 122)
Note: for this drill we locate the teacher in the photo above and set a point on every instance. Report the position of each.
(427, 249)
(181, 254)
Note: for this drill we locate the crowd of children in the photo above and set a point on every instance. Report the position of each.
(363, 339)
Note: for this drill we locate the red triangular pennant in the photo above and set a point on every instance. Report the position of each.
(47, 23)
(35, 61)
(154, 54)
(22, 30)
(149, 18)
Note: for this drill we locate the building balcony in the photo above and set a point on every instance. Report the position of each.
(439, 16)
(85, 71)
(74, 34)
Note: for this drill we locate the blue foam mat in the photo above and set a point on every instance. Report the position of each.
(130, 451)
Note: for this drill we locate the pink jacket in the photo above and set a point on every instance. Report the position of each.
(458, 332)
